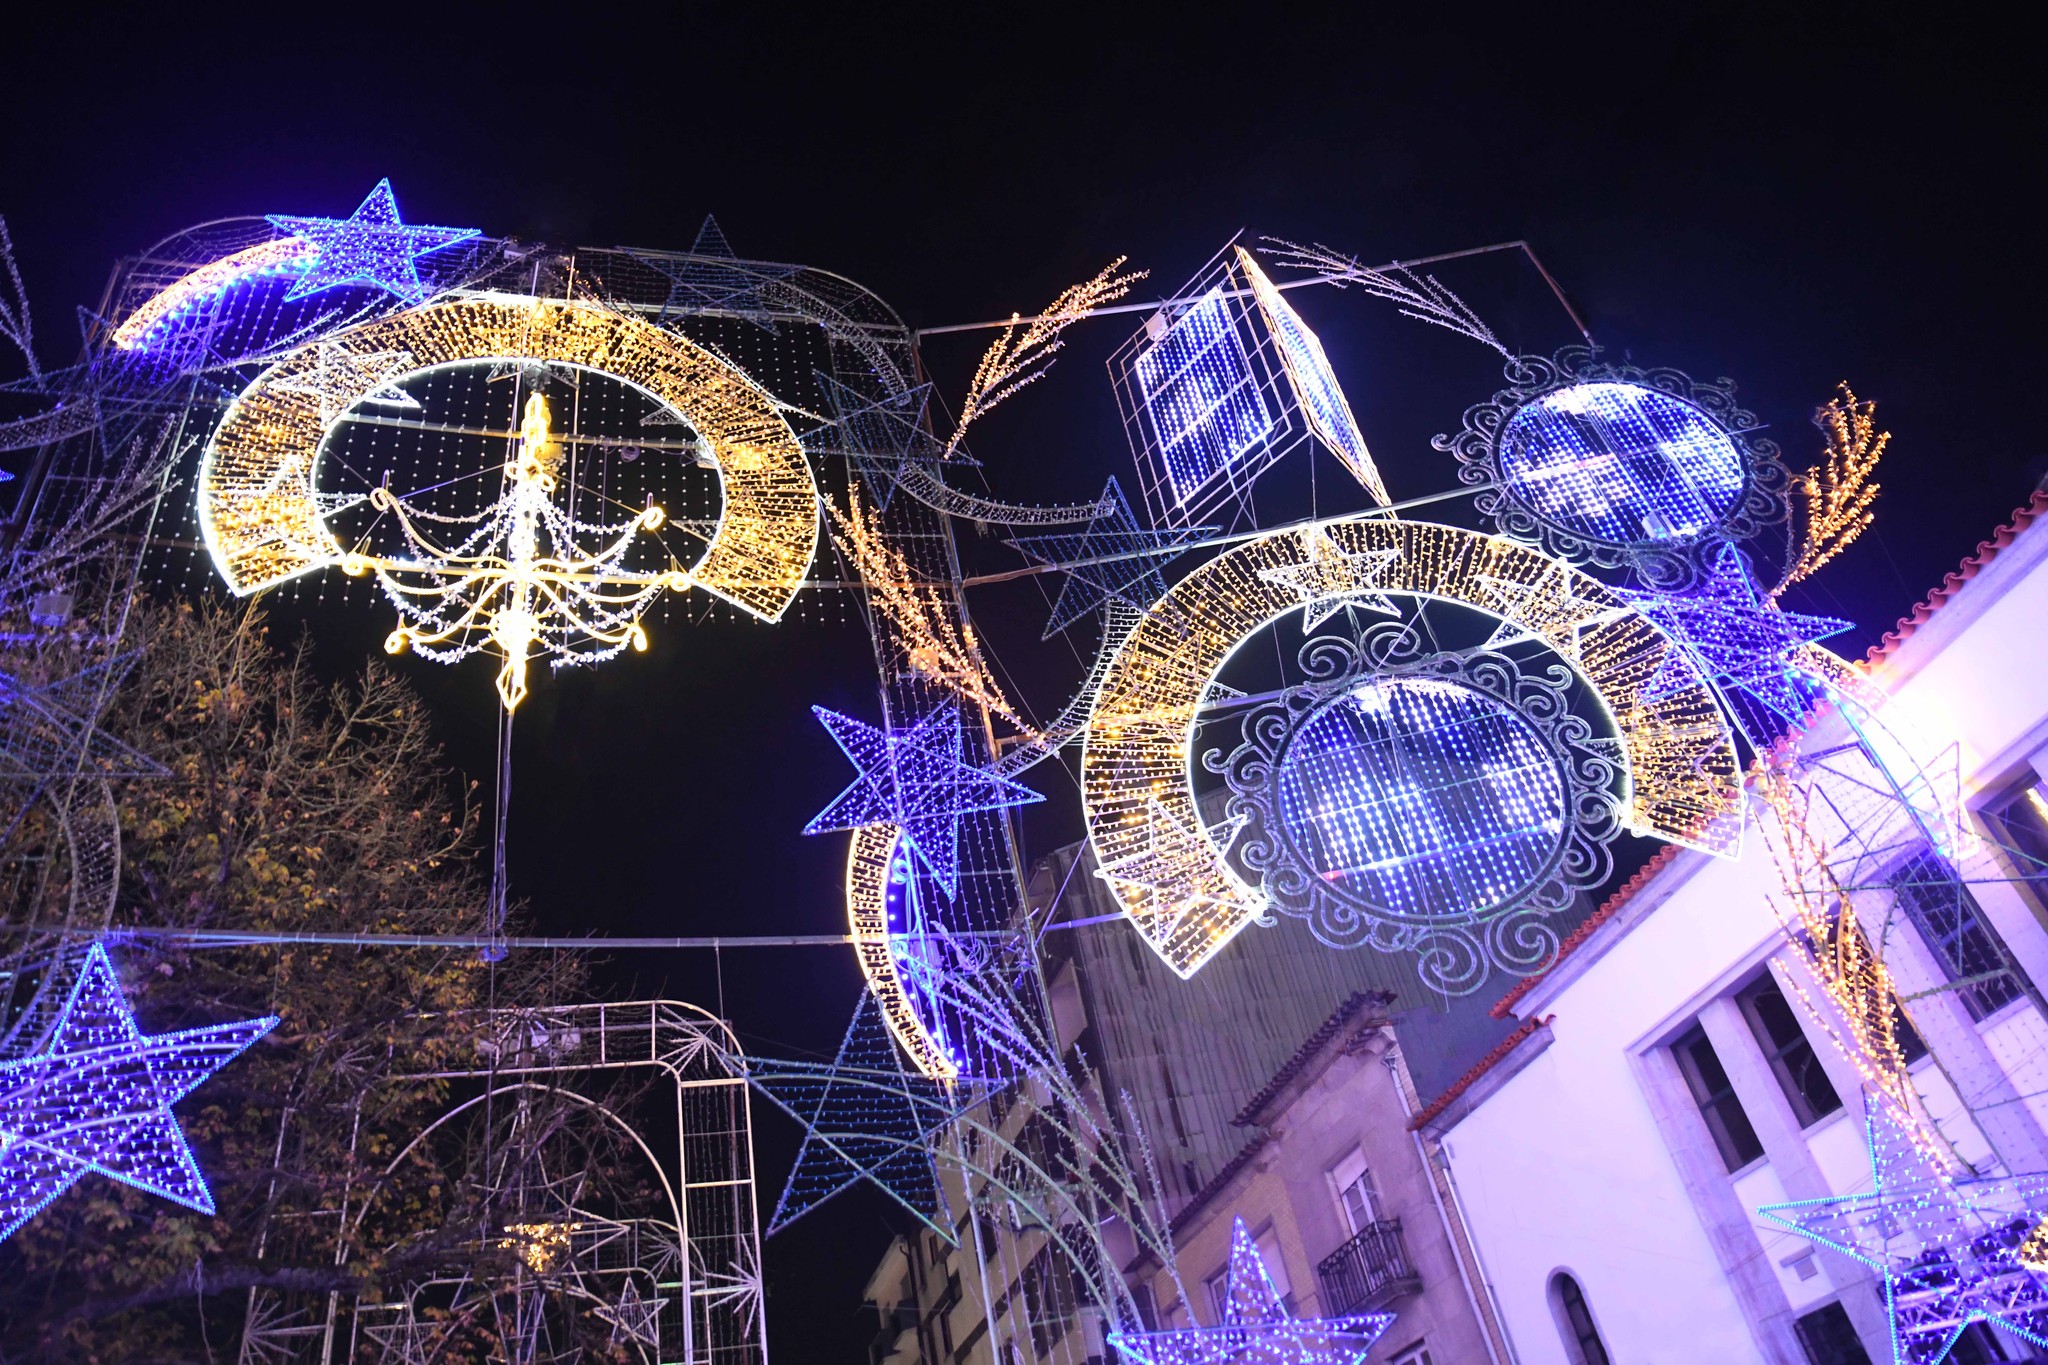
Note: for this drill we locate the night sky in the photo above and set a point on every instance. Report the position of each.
(1783, 199)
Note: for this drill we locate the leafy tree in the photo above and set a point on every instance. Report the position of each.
(292, 807)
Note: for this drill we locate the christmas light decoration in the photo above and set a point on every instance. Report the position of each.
(876, 872)
(938, 645)
(864, 1118)
(1326, 581)
(1256, 1328)
(523, 575)
(97, 1096)
(1025, 351)
(634, 1317)
(1620, 467)
(159, 313)
(1420, 801)
(370, 247)
(1681, 767)
(917, 780)
(517, 581)
(1834, 499)
(878, 436)
(1949, 1248)
(1740, 640)
(1113, 560)
(1315, 384)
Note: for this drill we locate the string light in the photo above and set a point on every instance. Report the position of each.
(98, 1097)
(1680, 756)
(370, 247)
(936, 644)
(1315, 383)
(917, 780)
(1949, 1249)
(1835, 498)
(874, 875)
(1326, 580)
(263, 517)
(1256, 1328)
(158, 315)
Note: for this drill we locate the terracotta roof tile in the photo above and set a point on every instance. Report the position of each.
(1479, 1068)
(1293, 1065)
(1987, 551)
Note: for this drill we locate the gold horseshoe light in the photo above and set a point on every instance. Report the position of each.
(1168, 872)
(261, 515)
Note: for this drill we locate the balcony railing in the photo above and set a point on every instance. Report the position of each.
(1367, 1272)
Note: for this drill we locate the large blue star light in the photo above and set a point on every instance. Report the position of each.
(1256, 1327)
(1951, 1251)
(919, 781)
(98, 1098)
(1739, 638)
(1113, 558)
(369, 247)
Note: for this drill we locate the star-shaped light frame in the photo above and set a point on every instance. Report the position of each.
(1113, 558)
(1256, 1328)
(918, 780)
(1740, 640)
(98, 1097)
(371, 247)
(1949, 1249)
(1330, 580)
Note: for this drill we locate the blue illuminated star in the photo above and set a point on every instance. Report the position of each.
(1738, 638)
(1950, 1250)
(1256, 1328)
(1113, 558)
(98, 1098)
(919, 781)
(878, 436)
(369, 247)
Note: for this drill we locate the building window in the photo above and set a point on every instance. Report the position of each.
(1582, 1342)
(1358, 1199)
(1711, 1090)
(1798, 1069)
(1976, 1346)
(1946, 914)
(1418, 1354)
(2019, 820)
(1828, 1339)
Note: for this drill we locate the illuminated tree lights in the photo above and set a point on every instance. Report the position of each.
(98, 1097)
(1256, 1328)
(1952, 1250)
(917, 780)
(371, 246)
(1683, 777)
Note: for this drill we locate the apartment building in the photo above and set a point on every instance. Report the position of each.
(1664, 1080)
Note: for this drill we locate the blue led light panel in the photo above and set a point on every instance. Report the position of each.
(1621, 464)
(1202, 399)
(1422, 798)
(1314, 382)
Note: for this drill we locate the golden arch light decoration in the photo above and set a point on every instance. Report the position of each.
(264, 521)
(1169, 873)
(871, 861)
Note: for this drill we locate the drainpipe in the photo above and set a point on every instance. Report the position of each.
(1490, 1324)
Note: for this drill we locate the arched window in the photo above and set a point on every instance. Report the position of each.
(1575, 1322)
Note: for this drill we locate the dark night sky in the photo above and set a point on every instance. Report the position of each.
(1788, 199)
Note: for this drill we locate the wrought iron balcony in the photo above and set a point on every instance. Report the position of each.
(1370, 1271)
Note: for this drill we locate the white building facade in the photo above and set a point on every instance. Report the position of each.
(1668, 1080)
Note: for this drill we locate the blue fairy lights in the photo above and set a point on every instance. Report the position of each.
(98, 1096)
(372, 247)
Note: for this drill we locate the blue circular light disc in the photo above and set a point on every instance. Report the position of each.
(1620, 463)
(1422, 798)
